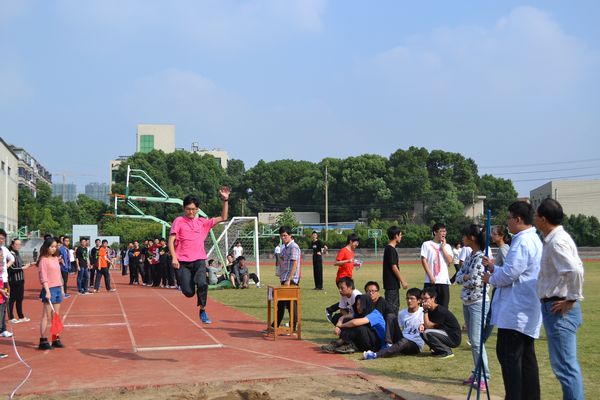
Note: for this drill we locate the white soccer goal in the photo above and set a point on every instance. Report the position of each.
(239, 229)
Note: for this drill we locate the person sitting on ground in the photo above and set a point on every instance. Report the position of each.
(363, 331)
(240, 275)
(212, 271)
(440, 329)
(348, 295)
(385, 308)
(404, 330)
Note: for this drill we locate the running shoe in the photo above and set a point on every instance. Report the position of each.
(6, 334)
(204, 317)
(369, 355)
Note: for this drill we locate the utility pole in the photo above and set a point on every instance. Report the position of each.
(326, 204)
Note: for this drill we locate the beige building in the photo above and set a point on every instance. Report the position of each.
(304, 218)
(576, 197)
(155, 137)
(31, 172)
(9, 188)
(221, 155)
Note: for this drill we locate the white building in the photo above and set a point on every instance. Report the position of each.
(9, 188)
(304, 218)
(575, 197)
(155, 137)
(31, 172)
(221, 155)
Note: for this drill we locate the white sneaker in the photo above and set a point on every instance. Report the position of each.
(15, 321)
(24, 319)
(6, 334)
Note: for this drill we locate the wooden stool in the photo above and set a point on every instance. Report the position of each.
(275, 294)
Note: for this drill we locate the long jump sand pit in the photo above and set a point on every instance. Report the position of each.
(321, 387)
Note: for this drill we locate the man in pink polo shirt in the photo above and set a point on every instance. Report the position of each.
(186, 245)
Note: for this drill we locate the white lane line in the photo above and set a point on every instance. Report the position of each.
(94, 325)
(127, 322)
(281, 358)
(94, 315)
(188, 318)
(64, 317)
(171, 348)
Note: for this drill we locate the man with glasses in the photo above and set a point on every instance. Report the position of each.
(440, 329)
(289, 271)
(186, 245)
(404, 329)
(515, 308)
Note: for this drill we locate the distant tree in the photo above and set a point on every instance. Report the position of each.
(287, 218)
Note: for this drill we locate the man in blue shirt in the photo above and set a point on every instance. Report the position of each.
(515, 308)
(65, 261)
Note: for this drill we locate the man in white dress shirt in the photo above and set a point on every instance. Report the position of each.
(560, 288)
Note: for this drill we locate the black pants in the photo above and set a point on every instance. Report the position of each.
(254, 277)
(318, 271)
(124, 268)
(516, 353)
(443, 293)
(65, 276)
(134, 272)
(93, 273)
(102, 272)
(400, 345)
(167, 274)
(156, 274)
(147, 277)
(363, 337)
(438, 341)
(17, 291)
(193, 280)
(392, 297)
(287, 305)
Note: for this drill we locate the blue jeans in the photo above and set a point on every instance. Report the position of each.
(82, 280)
(473, 314)
(561, 331)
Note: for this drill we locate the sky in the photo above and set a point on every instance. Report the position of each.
(513, 85)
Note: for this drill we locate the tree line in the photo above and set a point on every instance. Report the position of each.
(385, 190)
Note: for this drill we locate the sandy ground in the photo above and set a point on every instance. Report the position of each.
(340, 387)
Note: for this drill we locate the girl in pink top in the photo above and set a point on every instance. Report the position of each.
(186, 245)
(52, 290)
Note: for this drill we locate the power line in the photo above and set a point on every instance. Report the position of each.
(557, 177)
(544, 171)
(540, 164)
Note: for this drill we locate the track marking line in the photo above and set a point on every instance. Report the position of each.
(134, 345)
(95, 325)
(95, 315)
(64, 317)
(188, 318)
(171, 348)
(282, 358)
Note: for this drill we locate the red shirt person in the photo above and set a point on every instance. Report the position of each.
(345, 258)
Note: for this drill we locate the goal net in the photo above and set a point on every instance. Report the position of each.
(242, 230)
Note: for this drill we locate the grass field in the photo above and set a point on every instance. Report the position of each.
(435, 376)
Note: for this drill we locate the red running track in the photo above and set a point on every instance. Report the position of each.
(140, 336)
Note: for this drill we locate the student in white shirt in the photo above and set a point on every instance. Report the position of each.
(405, 330)
(436, 255)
